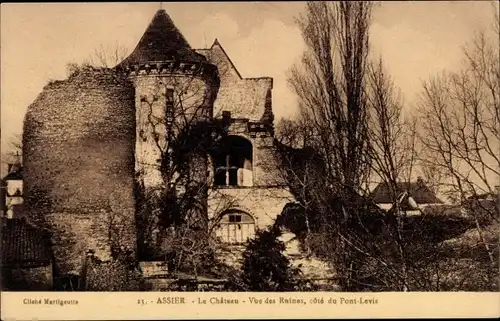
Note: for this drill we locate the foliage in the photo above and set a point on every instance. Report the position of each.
(176, 211)
(350, 126)
(265, 267)
(120, 274)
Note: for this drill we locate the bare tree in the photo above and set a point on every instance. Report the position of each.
(178, 138)
(460, 119)
(350, 126)
(102, 57)
(392, 152)
(14, 151)
(460, 114)
(108, 56)
(330, 84)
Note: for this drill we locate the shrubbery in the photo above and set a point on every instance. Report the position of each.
(120, 274)
(265, 267)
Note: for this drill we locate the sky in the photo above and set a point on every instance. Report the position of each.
(417, 39)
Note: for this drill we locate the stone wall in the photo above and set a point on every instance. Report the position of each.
(78, 155)
(266, 166)
(76, 233)
(263, 204)
(153, 268)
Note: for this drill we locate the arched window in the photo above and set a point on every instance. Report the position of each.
(233, 162)
(235, 227)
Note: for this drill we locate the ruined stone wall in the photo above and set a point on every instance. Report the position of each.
(78, 154)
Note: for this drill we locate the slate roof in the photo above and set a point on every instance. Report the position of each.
(162, 41)
(24, 244)
(15, 173)
(421, 193)
(207, 52)
(451, 210)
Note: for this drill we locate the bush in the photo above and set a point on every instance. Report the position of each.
(119, 274)
(265, 267)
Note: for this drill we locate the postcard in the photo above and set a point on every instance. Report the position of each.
(250, 160)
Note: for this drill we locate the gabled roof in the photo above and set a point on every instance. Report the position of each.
(420, 192)
(217, 43)
(484, 196)
(17, 193)
(162, 41)
(207, 51)
(24, 244)
(15, 173)
(249, 98)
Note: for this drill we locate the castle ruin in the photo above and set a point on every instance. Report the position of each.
(90, 139)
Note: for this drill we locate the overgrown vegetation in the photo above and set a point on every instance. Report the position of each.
(265, 267)
(351, 128)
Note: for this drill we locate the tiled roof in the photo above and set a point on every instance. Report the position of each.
(207, 52)
(421, 193)
(24, 244)
(162, 41)
(485, 196)
(15, 173)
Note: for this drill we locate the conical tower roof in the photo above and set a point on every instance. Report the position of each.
(162, 41)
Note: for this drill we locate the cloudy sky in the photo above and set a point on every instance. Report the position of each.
(416, 39)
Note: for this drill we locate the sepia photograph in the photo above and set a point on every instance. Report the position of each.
(289, 147)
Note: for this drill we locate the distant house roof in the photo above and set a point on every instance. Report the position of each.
(485, 196)
(15, 173)
(442, 209)
(162, 41)
(420, 192)
(24, 244)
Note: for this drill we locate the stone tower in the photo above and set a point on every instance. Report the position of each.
(78, 157)
(175, 87)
